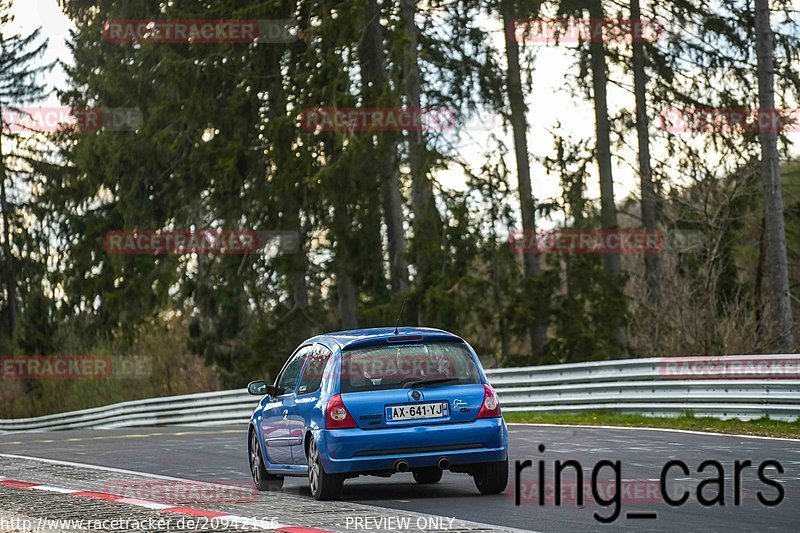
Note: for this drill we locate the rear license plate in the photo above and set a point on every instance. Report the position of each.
(416, 411)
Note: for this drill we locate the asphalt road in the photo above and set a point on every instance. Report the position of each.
(218, 454)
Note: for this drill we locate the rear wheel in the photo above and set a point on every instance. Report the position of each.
(427, 476)
(491, 478)
(323, 486)
(262, 479)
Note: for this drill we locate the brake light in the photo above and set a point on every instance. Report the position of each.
(491, 404)
(336, 415)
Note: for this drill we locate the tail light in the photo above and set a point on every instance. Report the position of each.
(336, 415)
(491, 404)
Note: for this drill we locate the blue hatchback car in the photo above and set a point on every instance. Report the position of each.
(378, 402)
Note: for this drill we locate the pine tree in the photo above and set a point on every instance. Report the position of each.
(20, 84)
(519, 124)
(652, 262)
(780, 303)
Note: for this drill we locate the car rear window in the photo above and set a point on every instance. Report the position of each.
(405, 365)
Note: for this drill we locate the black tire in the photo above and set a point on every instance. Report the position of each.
(491, 478)
(262, 479)
(427, 476)
(323, 486)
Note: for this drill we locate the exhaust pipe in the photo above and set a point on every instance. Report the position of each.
(443, 463)
(401, 466)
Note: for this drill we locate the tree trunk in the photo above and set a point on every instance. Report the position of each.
(427, 222)
(296, 276)
(780, 305)
(11, 275)
(759, 284)
(345, 286)
(374, 81)
(346, 292)
(608, 209)
(393, 215)
(519, 124)
(652, 262)
(293, 197)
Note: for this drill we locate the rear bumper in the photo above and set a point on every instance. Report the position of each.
(348, 451)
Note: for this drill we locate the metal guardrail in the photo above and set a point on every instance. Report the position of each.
(744, 387)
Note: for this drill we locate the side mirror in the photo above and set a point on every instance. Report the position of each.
(259, 388)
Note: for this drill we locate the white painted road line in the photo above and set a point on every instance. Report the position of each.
(689, 431)
(233, 518)
(222, 517)
(54, 489)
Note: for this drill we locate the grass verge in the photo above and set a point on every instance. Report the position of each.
(762, 427)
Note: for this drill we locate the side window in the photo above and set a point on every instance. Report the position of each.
(315, 368)
(288, 378)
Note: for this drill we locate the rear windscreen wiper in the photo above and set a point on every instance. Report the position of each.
(429, 382)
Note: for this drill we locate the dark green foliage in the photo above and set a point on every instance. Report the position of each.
(221, 146)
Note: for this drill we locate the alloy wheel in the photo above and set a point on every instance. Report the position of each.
(313, 466)
(255, 459)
